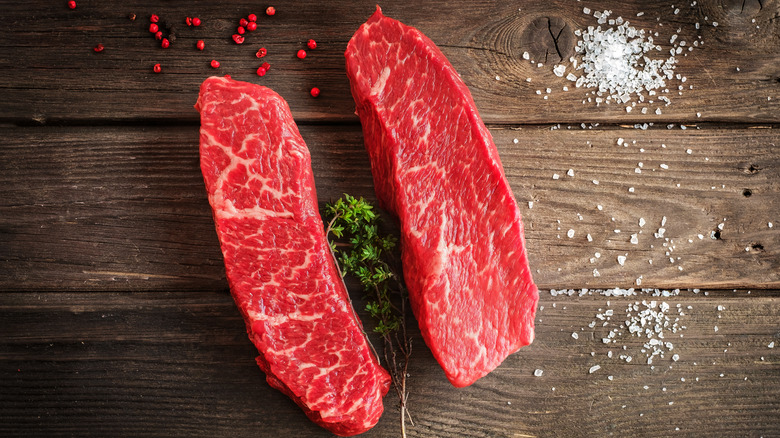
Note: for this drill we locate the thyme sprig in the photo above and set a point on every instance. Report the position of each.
(363, 252)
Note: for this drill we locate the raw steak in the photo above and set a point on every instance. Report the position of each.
(258, 175)
(435, 166)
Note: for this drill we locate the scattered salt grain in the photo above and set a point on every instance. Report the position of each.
(556, 176)
(594, 368)
(771, 344)
(559, 70)
(575, 335)
(530, 204)
(570, 234)
(538, 373)
(570, 172)
(526, 55)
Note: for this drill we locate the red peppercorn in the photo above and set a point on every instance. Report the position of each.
(252, 17)
(158, 35)
(214, 63)
(153, 28)
(238, 39)
(240, 30)
(266, 66)
(242, 22)
(315, 92)
(99, 48)
(301, 53)
(154, 18)
(262, 52)
(72, 4)
(165, 43)
(200, 45)
(188, 20)
(261, 71)
(196, 21)
(157, 68)
(252, 26)
(270, 11)
(312, 44)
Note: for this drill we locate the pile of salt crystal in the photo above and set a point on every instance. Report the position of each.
(617, 62)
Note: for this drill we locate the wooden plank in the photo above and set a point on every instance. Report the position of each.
(124, 208)
(50, 74)
(179, 364)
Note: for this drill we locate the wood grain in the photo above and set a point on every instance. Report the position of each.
(125, 209)
(50, 75)
(179, 364)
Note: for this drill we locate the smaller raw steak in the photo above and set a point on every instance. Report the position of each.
(436, 167)
(260, 186)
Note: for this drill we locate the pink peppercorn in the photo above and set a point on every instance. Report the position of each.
(270, 11)
(252, 26)
(315, 92)
(154, 18)
(240, 30)
(157, 68)
(252, 17)
(153, 28)
(261, 71)
(262, 52)
(196, 21)
(312, 44)
(214, 63)
(301, 54)
(99, 48)
(242, 22)
(200, 45)
(238, 39)
(72, 4)
(266, 66)
(158, 35)
(165, 43)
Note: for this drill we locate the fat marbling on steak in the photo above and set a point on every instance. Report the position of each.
(436, 167)
(258, 176)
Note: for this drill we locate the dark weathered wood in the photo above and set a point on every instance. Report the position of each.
(179, 364)
(49, 73)
(125, 208)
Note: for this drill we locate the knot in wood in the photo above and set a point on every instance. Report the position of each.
(548, 40)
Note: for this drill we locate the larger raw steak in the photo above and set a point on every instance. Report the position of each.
(435, 166)
(258, 176)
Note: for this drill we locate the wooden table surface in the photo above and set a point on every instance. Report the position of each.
(115, 316)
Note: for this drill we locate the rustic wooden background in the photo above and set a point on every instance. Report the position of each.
(115, 318)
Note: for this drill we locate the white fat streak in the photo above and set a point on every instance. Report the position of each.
(379, 85)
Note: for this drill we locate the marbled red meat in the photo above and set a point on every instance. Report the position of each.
(436, 167)
(258, 176)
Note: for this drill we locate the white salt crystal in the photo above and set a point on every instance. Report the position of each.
(538, 372)
(590, 239)
(634, 239)
(575, 335)
(621, 260)
(642, 222)
(559, 70)
(586, 11)
(595, 181)
(620, 141)
(570, 234)
(594, 368)
(530, 204)
(515, 141)
(526, 55)
(556, 176)
(771, 344)
(570, 172)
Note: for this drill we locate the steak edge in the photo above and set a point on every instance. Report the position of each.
(436, 167)
(257, 171)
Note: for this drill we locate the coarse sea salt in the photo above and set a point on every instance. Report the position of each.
(617, 61)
